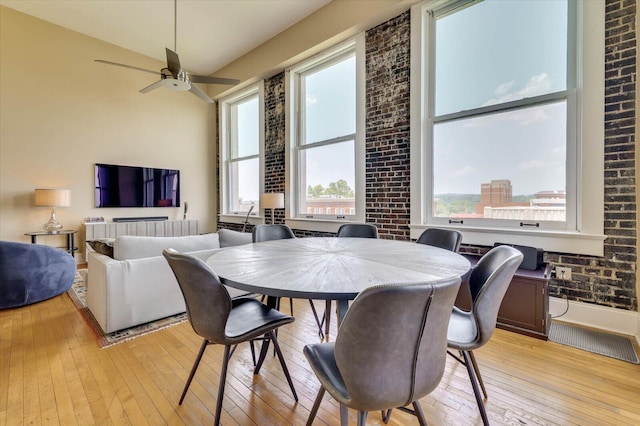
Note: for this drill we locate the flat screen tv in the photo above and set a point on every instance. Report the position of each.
(130, 186)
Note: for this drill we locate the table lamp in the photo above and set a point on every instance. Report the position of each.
(53, 198)
(272, 200)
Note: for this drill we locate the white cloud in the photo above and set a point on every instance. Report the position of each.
(463, 171)
(504, 88)
(532, 164)
(311, 99)
(537, 85)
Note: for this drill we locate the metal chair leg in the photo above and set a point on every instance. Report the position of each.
(476, 390)
(362, 418)
(276, 345)
(253, 352)
(318, 322)
(417, 410)
(316, 405)
(223, 381)
(327, 317)
(478, 375)
(205, 342)
(263, 354)
(386, 415)
(344, 415)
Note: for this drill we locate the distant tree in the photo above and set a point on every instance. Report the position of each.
(337, 189)
(340, 189)
(315, 191)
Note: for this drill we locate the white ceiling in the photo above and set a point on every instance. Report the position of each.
(210, 33)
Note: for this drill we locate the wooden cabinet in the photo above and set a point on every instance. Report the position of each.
(525, 307)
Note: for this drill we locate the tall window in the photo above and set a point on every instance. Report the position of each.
(241, 136)
(503, 105)
(325, 136)
(502, 108)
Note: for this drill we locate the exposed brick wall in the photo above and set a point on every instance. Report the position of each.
(608, 281)
(611, 280)
(387, 127)
(275, 141)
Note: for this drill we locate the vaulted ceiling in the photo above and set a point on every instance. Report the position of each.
(209, 33)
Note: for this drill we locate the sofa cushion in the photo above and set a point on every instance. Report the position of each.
(103, 246)
(230, 238)
(137, 247)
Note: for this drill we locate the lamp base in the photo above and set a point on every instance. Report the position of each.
(53, 226)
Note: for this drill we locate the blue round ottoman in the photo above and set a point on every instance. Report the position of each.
(30, 273)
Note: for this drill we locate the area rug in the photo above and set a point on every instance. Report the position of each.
(606, 344)
(77, 294)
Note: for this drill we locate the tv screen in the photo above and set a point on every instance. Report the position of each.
(129, 186)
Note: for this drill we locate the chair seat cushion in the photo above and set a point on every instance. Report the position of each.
(250, 318)
(462, 333)
(322, 360)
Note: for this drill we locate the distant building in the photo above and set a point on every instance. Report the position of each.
(545, 206)
(331, 205)
(498, 193)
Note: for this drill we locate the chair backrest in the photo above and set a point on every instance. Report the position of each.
(207, 300)
(448, 239)
(392, 344)
(358, 230)
(488, 283)
(271, 232)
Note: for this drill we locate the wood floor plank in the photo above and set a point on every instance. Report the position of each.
(16, 376)
(53, 372)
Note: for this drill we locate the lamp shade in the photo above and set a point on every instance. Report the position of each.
(53, 197)
(272, 200)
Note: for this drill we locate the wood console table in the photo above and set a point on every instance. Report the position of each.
(525, 307)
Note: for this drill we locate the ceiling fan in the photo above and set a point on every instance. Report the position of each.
(173, 76)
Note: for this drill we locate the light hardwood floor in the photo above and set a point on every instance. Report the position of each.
(52, 372)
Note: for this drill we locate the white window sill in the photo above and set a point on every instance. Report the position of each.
(552, 241)
(235, 218)
(317, 225)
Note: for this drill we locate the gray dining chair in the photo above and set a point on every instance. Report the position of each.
(281, 232)
(358, 230)
(218, 319)
(488, 283)
(448, 239)
(390, 351)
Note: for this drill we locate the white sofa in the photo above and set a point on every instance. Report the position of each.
(137, 285)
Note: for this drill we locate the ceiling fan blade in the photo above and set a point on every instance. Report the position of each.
(212, 80)
(173, 62)
(126, 66)
(199, 93)
(155, 85)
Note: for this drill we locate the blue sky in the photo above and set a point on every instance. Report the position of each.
(494, 52)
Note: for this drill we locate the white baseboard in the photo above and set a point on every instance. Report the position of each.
(610, 319)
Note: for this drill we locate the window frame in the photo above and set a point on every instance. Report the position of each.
(585, 157)
(226, 151)
(331, 222)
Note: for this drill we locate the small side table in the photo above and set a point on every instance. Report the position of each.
(71, 247)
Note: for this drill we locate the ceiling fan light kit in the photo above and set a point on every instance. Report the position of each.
(174, 77)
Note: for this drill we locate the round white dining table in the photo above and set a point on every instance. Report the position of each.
(331, 268)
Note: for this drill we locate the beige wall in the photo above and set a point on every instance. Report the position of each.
(61, 112)
(331, 24)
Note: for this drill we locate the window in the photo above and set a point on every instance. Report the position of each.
(503, 129)
(241, 135)
(326, 143)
